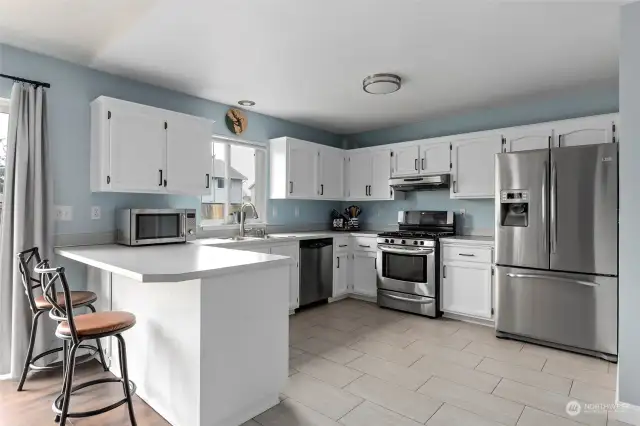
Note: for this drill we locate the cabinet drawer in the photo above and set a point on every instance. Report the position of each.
(468, 254)
(341, 245)
(364, 243)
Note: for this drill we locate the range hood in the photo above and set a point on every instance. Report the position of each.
(420, 183)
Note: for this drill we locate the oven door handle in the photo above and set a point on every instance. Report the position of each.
(416, 252)
(405, 299)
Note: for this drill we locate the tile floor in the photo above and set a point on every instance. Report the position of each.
(354, 364)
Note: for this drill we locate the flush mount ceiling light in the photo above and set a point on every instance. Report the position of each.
(381, 84)
(246, 103)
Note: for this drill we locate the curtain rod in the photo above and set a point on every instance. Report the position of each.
(24, 80)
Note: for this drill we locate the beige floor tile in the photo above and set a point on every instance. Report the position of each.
(431, 327)
(390, 372)
(464, 376)
(452, 342)
(320, 396)
(465, 359)
(485, 405)
(565, 368)
(533, 417)
(250, 423)
(408, 403)
(527, 376)
(368, 414)
(487, 335)
(329, 350)
(293, 413)
(576, 360)
(293, 352)
(332, 335)
(292, 371)
(380, 335)
(343, 324)
(546, 401)
(385, 351)
(450, 415)
(592, 393)
(534, 362)
(328, 371)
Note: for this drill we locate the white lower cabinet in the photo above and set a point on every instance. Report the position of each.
(364, 273)
(467, 285)
(341, 276)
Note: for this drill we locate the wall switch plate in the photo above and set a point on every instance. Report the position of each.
(96, 212)
(63, 213)
(296, 211)
(463, 212)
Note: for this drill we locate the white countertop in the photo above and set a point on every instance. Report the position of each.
(171, 262)
(469, 239)
(284, 237)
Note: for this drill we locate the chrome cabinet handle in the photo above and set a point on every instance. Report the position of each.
(160, 170)
(467, 254)
(444, 271)
(208, 179)
(338, 262)
(423, 160)
(404, 299)
(343, 245)
(416, 165)
(321, 189)
(363, 246)
(554, 278)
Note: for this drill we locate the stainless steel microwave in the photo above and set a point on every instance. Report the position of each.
(139, 227)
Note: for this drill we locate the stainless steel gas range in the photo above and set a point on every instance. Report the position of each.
(408, 259)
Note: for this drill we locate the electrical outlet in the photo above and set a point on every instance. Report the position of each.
(64, 213)
(296, 211)
(463, 212)
(96, 213)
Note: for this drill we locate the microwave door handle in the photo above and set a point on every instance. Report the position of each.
(184, 224)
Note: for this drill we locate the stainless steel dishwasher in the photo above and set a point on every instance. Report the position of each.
(316, 270)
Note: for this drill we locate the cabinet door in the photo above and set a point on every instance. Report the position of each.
(302, 171)
(585, 131)
(405, 161)
(466, 289)
(331, 173)
(291, 250)
(359, 166)
(340, 274)
(189, 156)
(527, 138)
(138, 144)
(380, 172)
(435, 158)
(364, 274)
(473, 162)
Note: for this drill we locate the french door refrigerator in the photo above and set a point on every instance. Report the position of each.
(557, 247)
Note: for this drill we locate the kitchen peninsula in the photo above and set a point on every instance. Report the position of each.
(210, 346)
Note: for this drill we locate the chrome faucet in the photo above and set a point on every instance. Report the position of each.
(242, 216)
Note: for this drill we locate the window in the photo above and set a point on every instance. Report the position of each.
(4, 129)
(238, 173)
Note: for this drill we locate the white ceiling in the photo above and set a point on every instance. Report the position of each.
(304, 60)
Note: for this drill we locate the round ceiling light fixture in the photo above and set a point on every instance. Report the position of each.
(381, 84)
(246, 103)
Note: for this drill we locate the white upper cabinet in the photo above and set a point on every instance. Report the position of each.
(379, 188)
(134, 150)
(368, 172)
(359, 167)
(527, 138)
(405, 161)
(294, 169)
(331, 177)
(189, 156)
(473, 169)
(586, 131)
(435, 158)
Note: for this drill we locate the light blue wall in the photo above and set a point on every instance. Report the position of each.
(73, 87)
(596, 99)
(629, 285)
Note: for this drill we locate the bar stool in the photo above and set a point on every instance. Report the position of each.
(74, 329)
(39, 305)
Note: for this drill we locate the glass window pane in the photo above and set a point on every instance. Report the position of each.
(4, 129)
(212, 211)
(152, 226)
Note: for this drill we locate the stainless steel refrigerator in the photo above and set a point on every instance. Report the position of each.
(557, 247)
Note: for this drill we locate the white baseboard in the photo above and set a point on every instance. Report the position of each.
(473, 320)
(372, 299)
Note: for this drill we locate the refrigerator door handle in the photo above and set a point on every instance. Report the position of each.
(552, 277)
(554, 207)
(543, 205)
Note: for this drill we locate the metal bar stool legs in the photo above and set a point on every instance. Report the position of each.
(32, 341)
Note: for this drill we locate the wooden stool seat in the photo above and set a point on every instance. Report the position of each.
(98, 324)
(78, 299)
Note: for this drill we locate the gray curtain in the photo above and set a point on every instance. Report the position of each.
(27, 221)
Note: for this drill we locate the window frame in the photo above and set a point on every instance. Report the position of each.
(5, 106)
(261, 181)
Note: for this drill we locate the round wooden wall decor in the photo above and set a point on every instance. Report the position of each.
(236, 121)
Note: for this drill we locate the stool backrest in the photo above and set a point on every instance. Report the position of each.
(26, 258)
(49, 277)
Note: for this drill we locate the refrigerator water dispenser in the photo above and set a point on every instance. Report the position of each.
(514, 208)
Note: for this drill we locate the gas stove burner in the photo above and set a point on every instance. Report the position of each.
(416, 234)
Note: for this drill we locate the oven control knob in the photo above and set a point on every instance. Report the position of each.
(415, 243)
(391, 241)
(386, 240)
(421, 243)
(404, 242)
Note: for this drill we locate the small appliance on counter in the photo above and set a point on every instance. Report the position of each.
(138, 227)
(347, 221)
(408, 262)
